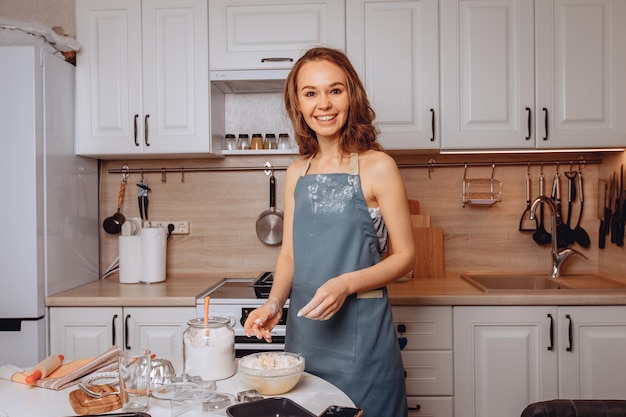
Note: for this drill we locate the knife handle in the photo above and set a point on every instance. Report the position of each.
(602, 235)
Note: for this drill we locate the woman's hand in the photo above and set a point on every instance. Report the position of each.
(327, 300)
(262, 320)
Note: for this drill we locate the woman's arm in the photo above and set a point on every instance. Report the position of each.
(261, 321)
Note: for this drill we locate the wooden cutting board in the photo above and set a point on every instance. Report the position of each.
(84, 404)
(429, 252)
(420, 220)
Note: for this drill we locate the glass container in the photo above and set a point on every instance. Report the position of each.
(209, 350)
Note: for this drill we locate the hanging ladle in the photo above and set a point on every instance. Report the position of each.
(113, 225)
(580, 234)
(541, 236)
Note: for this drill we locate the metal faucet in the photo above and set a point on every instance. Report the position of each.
(558, 256)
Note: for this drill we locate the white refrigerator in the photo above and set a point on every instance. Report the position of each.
(49, 199)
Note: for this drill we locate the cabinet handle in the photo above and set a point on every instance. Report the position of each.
(569, 333)
(135, 130)
(545, 112)
(126, 332)
(113, 327)
(417, 407)
(145, 130)
(276, 59)
(432, 124)
(551, 347)
(529, 124)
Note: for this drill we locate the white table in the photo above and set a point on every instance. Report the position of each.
(18, 400)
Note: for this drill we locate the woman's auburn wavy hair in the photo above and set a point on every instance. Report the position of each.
(358, 134)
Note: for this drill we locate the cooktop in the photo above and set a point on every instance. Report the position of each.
(240, 288)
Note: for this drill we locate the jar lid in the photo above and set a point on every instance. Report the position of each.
(283, 135)
(213, 321)
(230, 135)
(243, 135)
(270, 135)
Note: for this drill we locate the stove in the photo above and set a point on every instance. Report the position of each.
(234, 299)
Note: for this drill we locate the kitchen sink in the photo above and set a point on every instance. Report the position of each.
(538, 283)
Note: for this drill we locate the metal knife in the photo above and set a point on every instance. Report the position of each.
(619, 209)
(602, 204)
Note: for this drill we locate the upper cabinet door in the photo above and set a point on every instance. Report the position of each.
(248, 34)
(394, 45)
(487, 61)
(581, 67)
(175, 76)
(108, 76)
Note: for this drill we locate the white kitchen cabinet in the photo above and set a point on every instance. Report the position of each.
(394, 45)
(425, 335)
(81, 332)
(250, 35)
(508, 357)
(595, 365)
(142, 78)
(524, 74)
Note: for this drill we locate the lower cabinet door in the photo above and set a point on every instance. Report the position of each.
(84, 332)
(430, 406)
(428, 372)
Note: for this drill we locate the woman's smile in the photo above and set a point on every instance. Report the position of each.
(323, 98)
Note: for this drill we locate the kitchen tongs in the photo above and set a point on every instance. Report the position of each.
(142, 198)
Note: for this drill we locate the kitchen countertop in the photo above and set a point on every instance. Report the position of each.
(18, 400)
(451, 290)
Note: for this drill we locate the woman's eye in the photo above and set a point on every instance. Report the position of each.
(309, 94)
(336, 91)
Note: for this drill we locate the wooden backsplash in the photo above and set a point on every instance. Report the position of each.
(222, 208)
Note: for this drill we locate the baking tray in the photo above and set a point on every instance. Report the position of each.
(263, 284)
(269, 407)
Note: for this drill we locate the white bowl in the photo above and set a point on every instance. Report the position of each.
(271, 373)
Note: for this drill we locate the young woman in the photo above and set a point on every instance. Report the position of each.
(344, 201)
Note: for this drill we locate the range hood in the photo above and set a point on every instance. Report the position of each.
(249, 81)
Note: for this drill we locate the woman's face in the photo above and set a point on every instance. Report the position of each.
(323, 97)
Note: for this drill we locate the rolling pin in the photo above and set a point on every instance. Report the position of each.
(44, 368)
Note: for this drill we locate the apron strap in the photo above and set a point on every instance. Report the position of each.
(306, 166)
(354, 163)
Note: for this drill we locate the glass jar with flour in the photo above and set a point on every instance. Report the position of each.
(209, 350)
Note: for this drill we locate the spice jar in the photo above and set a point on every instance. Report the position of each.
(270, 141)
(284, 142)
(244, 142)
(257, 141)
(209, 350)
(230, 142)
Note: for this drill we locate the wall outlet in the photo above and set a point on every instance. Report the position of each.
(181, 227)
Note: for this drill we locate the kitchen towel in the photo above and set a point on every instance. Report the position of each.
(71, 373)
(130, 259)
(153, 254)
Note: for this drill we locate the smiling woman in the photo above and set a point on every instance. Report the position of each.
(343, 200)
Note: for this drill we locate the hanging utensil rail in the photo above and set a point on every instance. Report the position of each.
(431, 165)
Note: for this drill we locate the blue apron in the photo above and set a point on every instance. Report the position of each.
(357, 349)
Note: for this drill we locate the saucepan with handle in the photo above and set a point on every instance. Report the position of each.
(269, 224)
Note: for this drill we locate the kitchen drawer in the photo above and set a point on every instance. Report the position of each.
(425, 328)
(428, 372)
(430, 406)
